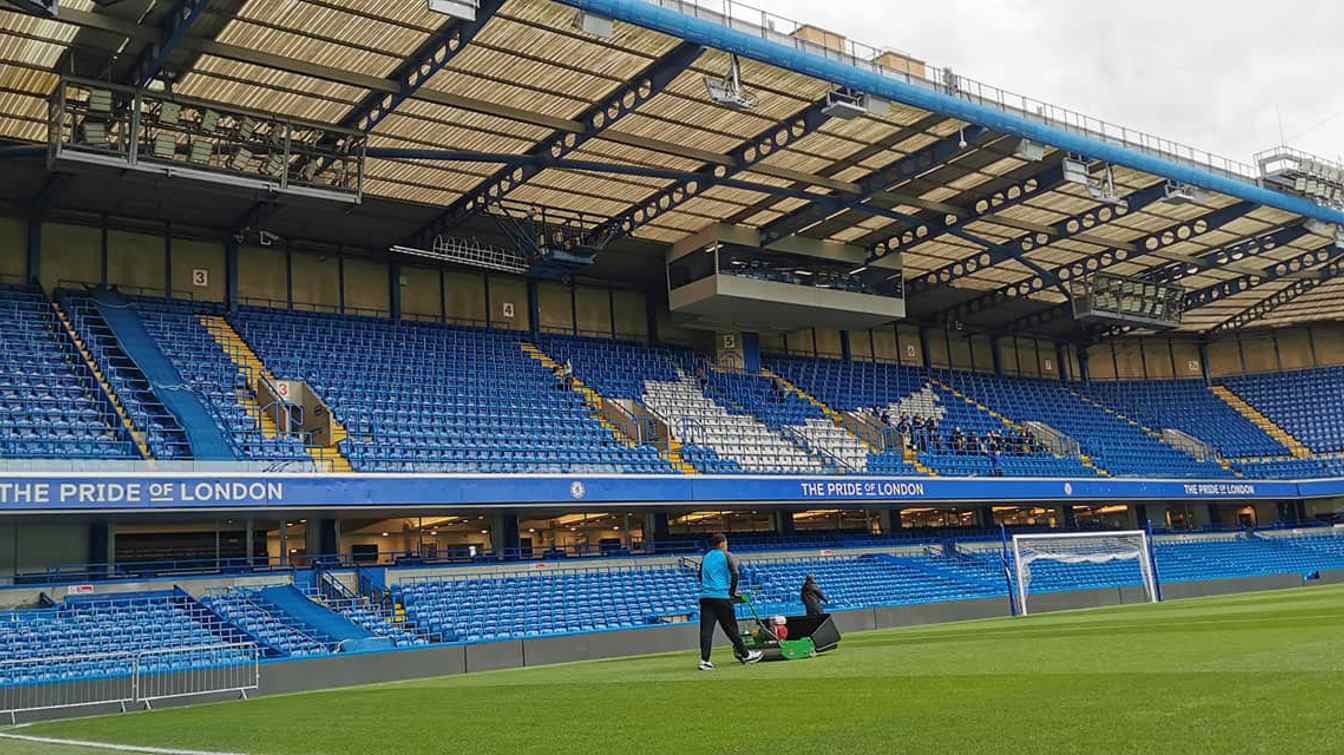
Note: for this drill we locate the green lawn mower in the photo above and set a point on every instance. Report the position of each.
(789, 638)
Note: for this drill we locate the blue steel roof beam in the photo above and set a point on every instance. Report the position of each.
(1280, 298)
(176, 24)
(1080, 224)
(1011, 196)
(1153, 242)
(906, 168)
(1255, 247)
(627, 98)
(745, 155)
(432, 56)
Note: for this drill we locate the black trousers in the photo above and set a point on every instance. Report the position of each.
(718, 611)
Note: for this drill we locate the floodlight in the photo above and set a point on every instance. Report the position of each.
(845, 104)
(728, 91)
(1182, 194)
(460, 9)
(1030, 151)
(589, 23)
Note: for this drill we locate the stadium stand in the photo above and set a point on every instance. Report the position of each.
(85, 635)
(481, 609)
(1188, 406)
(217, 378)
(164, 435)
(266, 623)
(1116, 443)
(438, 398)
(50, 403)
(1305, 403)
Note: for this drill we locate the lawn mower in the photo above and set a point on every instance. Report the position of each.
(789, 638)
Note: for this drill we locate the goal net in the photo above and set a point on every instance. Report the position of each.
(1082, 560)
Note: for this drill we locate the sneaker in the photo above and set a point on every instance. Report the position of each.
(752, 657)
(706, 666)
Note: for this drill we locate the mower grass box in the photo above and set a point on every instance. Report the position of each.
(802, 637)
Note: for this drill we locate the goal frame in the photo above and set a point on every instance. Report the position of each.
(1147, 563)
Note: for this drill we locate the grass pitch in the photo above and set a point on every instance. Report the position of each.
(1257, 673)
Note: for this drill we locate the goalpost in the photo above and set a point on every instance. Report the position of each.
(1083, 548)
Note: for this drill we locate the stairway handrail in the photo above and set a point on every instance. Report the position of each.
(802, 441)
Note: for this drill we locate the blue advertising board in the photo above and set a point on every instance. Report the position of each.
(149, 492)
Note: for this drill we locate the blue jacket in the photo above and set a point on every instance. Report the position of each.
(718, 575)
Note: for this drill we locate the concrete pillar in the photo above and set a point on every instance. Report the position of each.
(231, 273)
(34, 249)
(340, 283)
(284, 543)
(101, 547)
(1138, 515)
(1083, 373)
(533, 310)
(984, 517)
(504, 535)
(784, 523)
(1066, 518)
(251, 555)
(322, 538)
(394, 290)
(1204, 360)
(651, 304)
(846, 349)
(751, 352)
(884, 520)
(1211, 511)
(996, 355)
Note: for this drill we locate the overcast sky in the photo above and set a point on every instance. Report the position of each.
(1210, 74)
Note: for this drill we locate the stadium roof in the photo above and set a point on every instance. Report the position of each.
(522, 105)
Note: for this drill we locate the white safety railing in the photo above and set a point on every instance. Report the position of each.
(30, 685)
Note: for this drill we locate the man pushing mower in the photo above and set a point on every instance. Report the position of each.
(718, 592)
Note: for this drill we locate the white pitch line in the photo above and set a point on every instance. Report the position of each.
(109, 746)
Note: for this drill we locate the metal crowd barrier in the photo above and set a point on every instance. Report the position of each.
(31, 685)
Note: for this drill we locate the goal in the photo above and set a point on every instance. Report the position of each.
(1082, 549)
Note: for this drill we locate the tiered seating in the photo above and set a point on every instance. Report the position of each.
(279, 633)
(1292, 469)
(1188, 406)
(789, 415)
(870, 580)
(1305, 403)
(1116, 445)
(616, 369)
(176, 327)
(112, 627)
(1203, 559)
(50, 403)
(480, 609)
(699, 420)
(163, 433)
(421, 397)
(868, 389)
